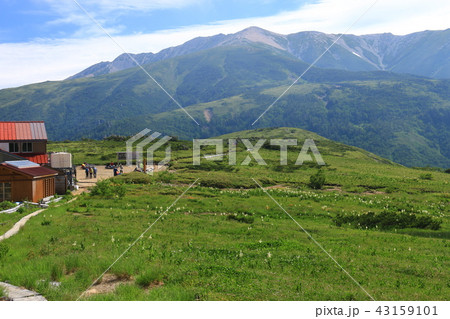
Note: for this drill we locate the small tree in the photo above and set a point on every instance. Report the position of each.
(317, 180)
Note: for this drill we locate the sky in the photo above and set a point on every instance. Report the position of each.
(49, 40)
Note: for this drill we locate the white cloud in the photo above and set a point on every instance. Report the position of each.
(43, 60)
(142, 5)
(108, 6)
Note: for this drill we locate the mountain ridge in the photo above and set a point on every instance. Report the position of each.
(410, 53)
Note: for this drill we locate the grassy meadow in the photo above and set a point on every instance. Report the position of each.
(226, 239)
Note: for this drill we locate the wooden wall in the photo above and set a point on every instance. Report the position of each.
(42, 188)
(25, 188)
(40, 147)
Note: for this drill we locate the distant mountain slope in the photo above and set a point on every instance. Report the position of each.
(404, 121)
(399, 117)
(423, 53)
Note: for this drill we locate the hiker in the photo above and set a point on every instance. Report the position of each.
(91, 172)
(95, 171)
(115, 171)
(121, 168)
(86, 169)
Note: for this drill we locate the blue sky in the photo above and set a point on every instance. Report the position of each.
(26, 20)
(44, 40)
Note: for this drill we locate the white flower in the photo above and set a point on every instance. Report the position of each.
(93, 244)
(74, 243)
(112, 239)
(269, 255)
(260, 241)
(241, 254)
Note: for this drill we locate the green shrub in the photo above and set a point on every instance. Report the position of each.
(149, 277)
(242, 218)
(108, 157)
(317, 180)
(226, 181)
(211, 166)
(388, 220)
(165, 177)
(108, 189)
(116, 138)
(426, 176)
(135, 178)
(447, 170)
(46, 222)
(6, 205)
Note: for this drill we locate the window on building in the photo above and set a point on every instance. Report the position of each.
(5, 192)
(14, 147)
(27, 147)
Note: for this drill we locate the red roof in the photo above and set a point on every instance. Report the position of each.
(36, 158)
(16, 131)
(33, 171)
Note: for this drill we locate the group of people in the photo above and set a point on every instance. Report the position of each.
(118, 169)
(90, 170)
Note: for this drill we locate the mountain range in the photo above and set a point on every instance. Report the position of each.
(424, 53)
(384, 93)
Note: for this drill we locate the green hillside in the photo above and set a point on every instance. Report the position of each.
(226, 239)
(399, 117)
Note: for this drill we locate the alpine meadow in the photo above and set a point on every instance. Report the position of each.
(240, 166)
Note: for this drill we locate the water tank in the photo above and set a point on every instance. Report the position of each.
(61, 160)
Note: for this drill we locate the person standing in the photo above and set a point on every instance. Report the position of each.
(91, 172)
(115, 171)
(86, 169)
(95, 171)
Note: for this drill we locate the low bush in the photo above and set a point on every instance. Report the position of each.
(226, 181)
(108, 189)
(149, 277)
(116, 138)
(426, 176)
(6, 205)
(242, 218)
(214, 166)
(135, 178)
(165, 177)
(317, 180)
(387, 220)
(46, 222)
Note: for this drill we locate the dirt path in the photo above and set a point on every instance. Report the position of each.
(102, 173)
(15, 293)
(17, 226)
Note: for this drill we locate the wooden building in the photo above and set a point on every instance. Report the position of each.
(25, 139)
(25, 180)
